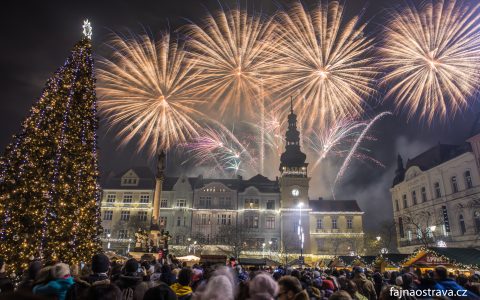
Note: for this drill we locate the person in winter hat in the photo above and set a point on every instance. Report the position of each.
(290, 288)
(160, 292)
(61, 283)
(365, 286)
(182, 287)
(219, 287)
(100, 266)
(29, 279)
(130, 282)
(263, 287)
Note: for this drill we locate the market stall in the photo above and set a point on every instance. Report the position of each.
(388, 262)
(456, 260)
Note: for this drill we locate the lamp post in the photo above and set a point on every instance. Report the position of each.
(128, 248)
(263, 250)
(270, 249)
(108, 240)
(194, 246)
(300, 230)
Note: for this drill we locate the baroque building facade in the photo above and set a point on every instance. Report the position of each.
(436, 197)
(246, 215)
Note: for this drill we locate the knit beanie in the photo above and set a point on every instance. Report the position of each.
(100, 263)
(60, 270)
(131, 266)
(263, 287)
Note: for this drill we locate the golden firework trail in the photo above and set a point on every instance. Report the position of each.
(325, 61)
(232, 49)
(147, 88)
(431, 53)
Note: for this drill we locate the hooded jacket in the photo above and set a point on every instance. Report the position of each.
(136, 283)
(56, 287)
(365, 286)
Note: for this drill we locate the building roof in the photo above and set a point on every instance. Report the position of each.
(436, 156)
(334, 206)
(146, 180)
(262, 183)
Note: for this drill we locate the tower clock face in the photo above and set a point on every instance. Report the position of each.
(295, 192)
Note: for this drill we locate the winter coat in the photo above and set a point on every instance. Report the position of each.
(56, 287)
(6, 284)
(301, 296)
(450, 284)
(365, 286)
(82, 287)
(132, 287)
(183, 292)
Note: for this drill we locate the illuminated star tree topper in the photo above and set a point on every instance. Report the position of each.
(87, 29)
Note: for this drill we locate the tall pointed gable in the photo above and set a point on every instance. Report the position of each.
(292, 161)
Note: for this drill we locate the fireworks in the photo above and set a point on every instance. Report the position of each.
(333, 137)
(325, 62)
(232, 50)
(432, 54)
(352, 153)
(148, 87)
(221, 147)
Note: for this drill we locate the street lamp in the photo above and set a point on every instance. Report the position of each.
(108, 240)
(263, 249)
(128, 249)
(378, 238)
(300, 229)
(432, 228)
(270, 248)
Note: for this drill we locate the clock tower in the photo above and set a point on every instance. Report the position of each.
(294, 202)
(293, 168)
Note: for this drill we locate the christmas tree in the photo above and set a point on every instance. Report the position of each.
(48, 175)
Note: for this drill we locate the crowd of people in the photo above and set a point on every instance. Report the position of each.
(167, 279)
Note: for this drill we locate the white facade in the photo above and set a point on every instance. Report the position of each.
(438, 206)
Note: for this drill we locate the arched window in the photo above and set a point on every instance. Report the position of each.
(454, 182)
(438, 192)
(414, 197)
(463, 229)
(468, 180)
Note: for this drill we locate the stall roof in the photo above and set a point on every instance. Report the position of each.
(395, 258)
(213, 259)
(464, 256)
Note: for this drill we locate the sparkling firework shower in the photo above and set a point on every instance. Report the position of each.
(325, 61)
(223, 148)
(232, 48)
(432, 53)
(147, 87)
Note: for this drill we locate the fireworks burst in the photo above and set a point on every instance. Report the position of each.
(221, 147)
(148, 87)
(332, 138)
(353, 151)
(325, 62)
(232, 50)
(432, 54)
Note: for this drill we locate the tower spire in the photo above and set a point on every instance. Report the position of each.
(291, 104)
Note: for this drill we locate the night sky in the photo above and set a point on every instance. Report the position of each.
(37, 38)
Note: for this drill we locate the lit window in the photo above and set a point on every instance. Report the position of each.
(252, 204)
(127, 198)
(142, 215)
(108, 215)
(270, 222)
(164, 203)
(349, 223)
(111, 198)
(144, 198)
(334, 223)
(319, 223)
(125, 215)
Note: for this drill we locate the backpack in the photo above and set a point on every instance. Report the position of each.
(127, 294)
